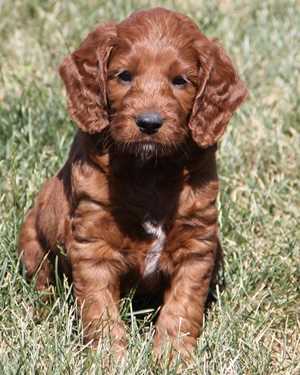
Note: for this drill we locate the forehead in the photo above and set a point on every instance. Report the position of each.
(156, 38)
(143, 55)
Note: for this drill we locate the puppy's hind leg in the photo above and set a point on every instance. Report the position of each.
(34, 258)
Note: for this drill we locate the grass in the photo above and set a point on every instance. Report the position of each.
(253, 328)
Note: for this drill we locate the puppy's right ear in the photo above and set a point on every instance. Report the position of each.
(84, 73)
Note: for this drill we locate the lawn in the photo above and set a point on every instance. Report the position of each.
(254, 325)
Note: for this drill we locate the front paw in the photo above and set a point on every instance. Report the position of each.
(106, 334)
(182, 345)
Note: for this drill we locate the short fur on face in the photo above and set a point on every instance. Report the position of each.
(133, 207)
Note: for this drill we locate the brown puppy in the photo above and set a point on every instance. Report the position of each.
(134, 205)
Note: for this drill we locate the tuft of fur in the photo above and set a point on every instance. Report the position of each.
(152, 257)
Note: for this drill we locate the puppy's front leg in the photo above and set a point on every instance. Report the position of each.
(96, 287)
(180, 319)
(97, 270)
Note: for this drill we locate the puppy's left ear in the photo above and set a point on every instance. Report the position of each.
(220, 93)
(84, 73)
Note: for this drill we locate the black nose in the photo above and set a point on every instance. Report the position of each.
(149, 122)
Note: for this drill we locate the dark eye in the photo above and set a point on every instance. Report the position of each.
(125, 76)
(179, 81)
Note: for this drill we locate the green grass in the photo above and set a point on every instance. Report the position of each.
(253, 328)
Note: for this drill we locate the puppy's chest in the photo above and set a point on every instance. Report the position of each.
(150, 191)
(148, 199)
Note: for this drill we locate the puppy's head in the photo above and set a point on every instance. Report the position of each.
(155, 80)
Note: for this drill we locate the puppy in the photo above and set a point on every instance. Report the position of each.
(134, 205)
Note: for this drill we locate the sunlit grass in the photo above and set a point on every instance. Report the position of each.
(253, 327)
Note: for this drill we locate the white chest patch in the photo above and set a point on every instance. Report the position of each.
(153, 254)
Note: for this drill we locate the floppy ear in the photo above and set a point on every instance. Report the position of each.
(84, 74)
(220, 93)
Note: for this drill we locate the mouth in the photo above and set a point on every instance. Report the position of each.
(144, 150)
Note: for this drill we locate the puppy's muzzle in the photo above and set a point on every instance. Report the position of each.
(149, 122)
